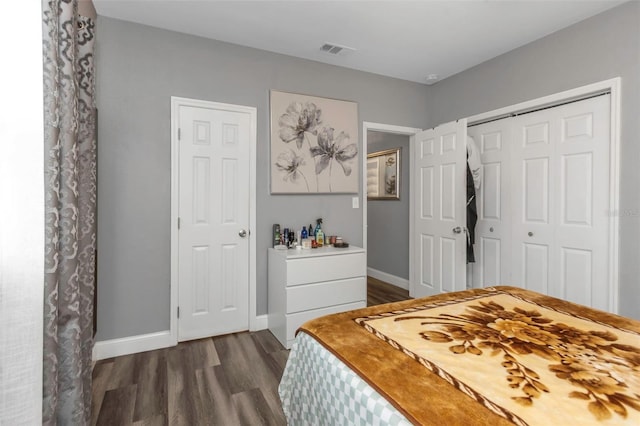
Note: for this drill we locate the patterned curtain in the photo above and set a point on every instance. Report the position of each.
(70, 212)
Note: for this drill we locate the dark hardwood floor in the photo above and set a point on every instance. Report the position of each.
(223, 380)
(379, 292)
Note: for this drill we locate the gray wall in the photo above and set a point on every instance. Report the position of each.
(388, 220)
(602, 47)
(138, 69)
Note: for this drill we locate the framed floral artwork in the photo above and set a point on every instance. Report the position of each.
(383, 175)
(314, 144)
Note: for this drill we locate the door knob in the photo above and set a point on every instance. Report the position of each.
(530, 234)
(242, 233)
(457, 230)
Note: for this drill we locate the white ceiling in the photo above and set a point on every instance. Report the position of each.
(404, 39)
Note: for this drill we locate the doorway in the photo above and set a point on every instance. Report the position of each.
(213, 213)
(386, 222)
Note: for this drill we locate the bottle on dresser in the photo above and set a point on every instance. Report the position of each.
(276, 234)
(319, 233)
(292, 238)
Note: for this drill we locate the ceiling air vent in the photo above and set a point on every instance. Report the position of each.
(335, 49)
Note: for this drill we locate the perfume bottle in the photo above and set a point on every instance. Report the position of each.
(319, 233)
(292, 238)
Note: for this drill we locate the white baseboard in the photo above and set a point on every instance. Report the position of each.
(132, 344)
(388, 278)
(148, 342)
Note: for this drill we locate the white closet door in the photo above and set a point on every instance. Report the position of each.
(439, 240)
(493, 230)
(560, 189)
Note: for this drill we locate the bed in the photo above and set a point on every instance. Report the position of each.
(499, 355)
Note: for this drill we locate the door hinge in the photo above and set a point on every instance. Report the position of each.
(179, 223)
(178, 311)
(179, 133)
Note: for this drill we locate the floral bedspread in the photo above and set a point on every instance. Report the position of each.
(526, 358)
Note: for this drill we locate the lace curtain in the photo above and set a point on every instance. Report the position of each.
(70, 212)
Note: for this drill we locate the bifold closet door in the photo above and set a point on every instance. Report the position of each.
(543, 219)
(560, 194)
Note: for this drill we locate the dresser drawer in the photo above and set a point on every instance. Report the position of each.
(320, 295)
(325, 268)
(294, 321)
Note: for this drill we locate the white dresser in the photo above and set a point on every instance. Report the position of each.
(306, 284)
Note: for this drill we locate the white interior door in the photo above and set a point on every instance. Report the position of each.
(560, 178)
(493, 229)
(439, 238)
(213, 237)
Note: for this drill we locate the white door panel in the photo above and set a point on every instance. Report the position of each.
(533, 267)
(439, 241)
(493, 229)
(532, 171)
(213, 258)
(583, 228)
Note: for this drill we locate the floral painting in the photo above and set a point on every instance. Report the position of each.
(314, 144)
(523, 356)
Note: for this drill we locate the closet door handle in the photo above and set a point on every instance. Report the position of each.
(457, 230)
(530, 234)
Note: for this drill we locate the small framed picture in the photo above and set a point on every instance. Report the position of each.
(383, 175)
